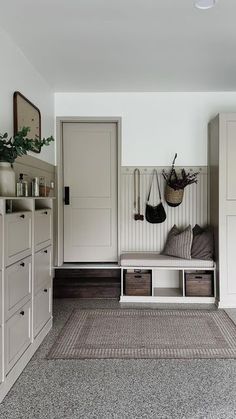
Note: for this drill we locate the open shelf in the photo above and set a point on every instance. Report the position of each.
(167, 292)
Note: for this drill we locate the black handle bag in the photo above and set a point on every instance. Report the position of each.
(155, 214)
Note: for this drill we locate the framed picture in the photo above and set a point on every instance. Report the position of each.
(26, 114)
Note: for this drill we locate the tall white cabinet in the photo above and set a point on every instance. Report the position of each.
(26, 239)
(222, 179)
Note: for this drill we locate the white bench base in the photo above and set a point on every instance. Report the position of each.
(168, 294)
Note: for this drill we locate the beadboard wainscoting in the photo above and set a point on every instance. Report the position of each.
(143, 236)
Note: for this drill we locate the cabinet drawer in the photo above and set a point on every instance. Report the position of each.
(42, 307)
(17, 236)
(17, 335)
(17, 285)
(42, 268)
(42, 228)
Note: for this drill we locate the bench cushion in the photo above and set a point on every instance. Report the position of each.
(147, 259)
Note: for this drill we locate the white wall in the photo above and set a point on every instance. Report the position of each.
(154, 125)
(16, 73)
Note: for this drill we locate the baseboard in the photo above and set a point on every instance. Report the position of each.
(168, 300)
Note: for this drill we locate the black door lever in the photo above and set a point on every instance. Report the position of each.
(67, 195)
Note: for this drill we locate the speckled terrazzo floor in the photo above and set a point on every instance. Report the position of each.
(167, 389)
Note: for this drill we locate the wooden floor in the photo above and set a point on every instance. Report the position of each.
(87, 283)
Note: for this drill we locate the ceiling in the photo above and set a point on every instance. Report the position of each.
(126, 45)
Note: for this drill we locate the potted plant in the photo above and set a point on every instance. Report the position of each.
(175, 184)
(10, 149)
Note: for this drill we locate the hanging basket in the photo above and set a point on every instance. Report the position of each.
(173, 197)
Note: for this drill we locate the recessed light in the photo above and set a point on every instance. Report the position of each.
(205, 4)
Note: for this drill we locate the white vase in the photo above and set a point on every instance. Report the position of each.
(7, 180)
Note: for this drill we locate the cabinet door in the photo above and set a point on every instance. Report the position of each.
(17, 285)
(42, 307)
(0, 297)
(42, 268)
(1, 241)
(42, 228)
(17, 236)
(17, 335)
(1, 352)
(227, 210)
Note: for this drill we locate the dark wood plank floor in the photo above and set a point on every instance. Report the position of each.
(87, 283)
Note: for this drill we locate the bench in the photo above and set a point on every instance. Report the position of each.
(147, 259)
(155, 262)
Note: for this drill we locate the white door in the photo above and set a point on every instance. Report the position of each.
(90, 180)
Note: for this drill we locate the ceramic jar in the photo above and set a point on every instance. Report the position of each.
(7, 180)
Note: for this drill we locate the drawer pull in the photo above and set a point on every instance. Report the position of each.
(22, 216)
(45, 290)
(198, 277)
(22, 313)
(138, 276)
(45, 212)
(45, 251)
(22, 264)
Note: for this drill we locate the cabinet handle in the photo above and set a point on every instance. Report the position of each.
(67, 195)
(22, 313)
(22, 264)
(45, 212)
(45, 251)
(45, 290)
(22, 216)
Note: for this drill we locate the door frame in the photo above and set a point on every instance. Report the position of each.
(59, 253)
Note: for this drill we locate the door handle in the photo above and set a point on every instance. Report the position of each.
(67, 195)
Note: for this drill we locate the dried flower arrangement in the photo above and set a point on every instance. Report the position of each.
(179, 180)
(175, 184)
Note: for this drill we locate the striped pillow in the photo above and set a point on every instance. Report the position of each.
(179, 243)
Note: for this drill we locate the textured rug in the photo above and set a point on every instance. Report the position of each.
(131, 333)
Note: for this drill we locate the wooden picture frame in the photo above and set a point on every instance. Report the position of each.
(26, 114)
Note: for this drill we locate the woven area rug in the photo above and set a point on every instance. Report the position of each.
(132, 333)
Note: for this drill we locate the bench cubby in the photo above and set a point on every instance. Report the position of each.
(168, 278)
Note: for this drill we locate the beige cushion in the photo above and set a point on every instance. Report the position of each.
(179, 243)
(151, 260)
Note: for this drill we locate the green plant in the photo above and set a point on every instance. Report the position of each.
(19, 144)
(179, 180)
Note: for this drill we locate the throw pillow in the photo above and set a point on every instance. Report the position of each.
(179, 243)
(203, 243)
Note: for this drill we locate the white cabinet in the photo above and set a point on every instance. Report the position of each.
(18, 285)
(42, 307)
(25, 267)
(42, 268)
(18, 236)
(43, 228)
(222, 158)
(17, 335)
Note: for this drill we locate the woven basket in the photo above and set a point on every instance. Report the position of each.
(173, 197)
